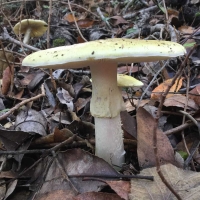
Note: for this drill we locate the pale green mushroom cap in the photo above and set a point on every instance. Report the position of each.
(117, 50)
(127, 81)
(103, 57)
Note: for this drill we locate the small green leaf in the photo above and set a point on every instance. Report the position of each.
(5, 110)
(183, 154)
(189, 44)
(163, 9)
(131, 30)
(45, 6)
(197, 14)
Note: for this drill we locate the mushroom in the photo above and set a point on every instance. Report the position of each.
(127, 81)
(30, 28)
(103, 56)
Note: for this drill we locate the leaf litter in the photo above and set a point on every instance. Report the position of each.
(48, 136)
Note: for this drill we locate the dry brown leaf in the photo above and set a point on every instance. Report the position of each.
(186, 29)
(195, 97)
(58, 194)
(3, 62)
(71, 162)
(145, 148)
(129, 106)
(6, 81)
(44, 140)
(157, 92)
(179, 100)
(62, 135)
(185, 183)
(69, 17)
(85, 23)
(80, 103)
(116, 20)
(122, 188)
(172, 12)
(97, 196)
(128, 125)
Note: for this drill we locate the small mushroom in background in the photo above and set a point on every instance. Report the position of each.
(127, 81)
(103, 57)
(30, 28)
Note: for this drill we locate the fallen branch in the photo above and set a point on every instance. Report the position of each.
(5, 36)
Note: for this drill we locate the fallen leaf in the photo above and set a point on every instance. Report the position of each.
(6, 81)
(184, 182)
(145, 148)
(128, 125)
(70, 18)
(194, 94)
(186, 29)
(157, 92)
(71, 162)
(85, 23)
(116, 20)
(97, 196)
(180, 101)
(122, 188)
(29, 120)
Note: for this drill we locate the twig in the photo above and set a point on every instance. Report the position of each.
(192, 118)
(166, 14)
(79, 6)
(179, 128)
(152, 81)
(184, 112)
(23, 152)
(193, 149)
(49, 23)
(48, 44)
(76, 22)
(118, 176)
(103, 18)
(23, 103)
(5, 36)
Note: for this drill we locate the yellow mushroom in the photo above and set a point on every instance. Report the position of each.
(103, 57)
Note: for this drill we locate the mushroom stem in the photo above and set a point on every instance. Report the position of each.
(27, 36)
(109, 140)
(106, 104)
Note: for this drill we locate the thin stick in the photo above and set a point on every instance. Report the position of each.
(5, 36)
(76, 22)
(152, 81)
(178, 128)
(79, 6)
(48, 44)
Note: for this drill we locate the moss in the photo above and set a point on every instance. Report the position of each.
(58, 42)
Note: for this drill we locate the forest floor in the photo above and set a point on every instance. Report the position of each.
(47, 132)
